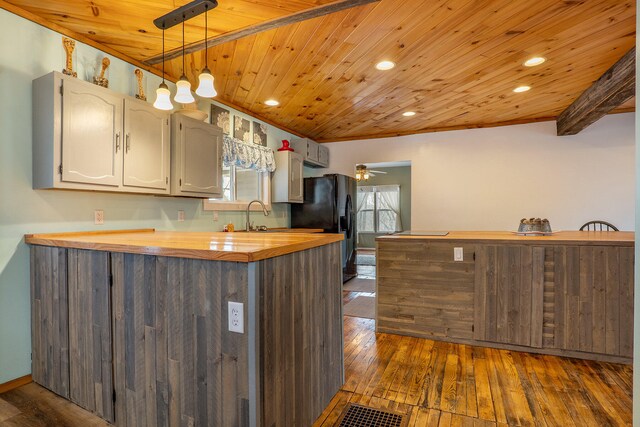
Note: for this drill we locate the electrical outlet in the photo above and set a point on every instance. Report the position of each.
(180, 216)
(215, 215)
(98, 217)
(236, 317)
(458, 254)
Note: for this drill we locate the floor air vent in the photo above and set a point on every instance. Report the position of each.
(362, 416)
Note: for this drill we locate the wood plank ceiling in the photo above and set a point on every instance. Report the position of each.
(457, 60)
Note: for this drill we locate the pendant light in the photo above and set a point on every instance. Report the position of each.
(163, 99)
(183, 95)
(205, 86)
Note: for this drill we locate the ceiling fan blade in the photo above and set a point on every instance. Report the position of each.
(380, 172)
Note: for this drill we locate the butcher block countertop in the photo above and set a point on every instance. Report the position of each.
(599, 238)
(240, 247)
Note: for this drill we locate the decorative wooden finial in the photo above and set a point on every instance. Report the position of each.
(69, 46)
(140, 94)
(101, 80)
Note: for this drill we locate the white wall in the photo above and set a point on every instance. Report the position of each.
(28, 51)
(488, 179)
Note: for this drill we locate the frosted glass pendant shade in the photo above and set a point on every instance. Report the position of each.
(183, 95)
(163, 99)
(205, 87)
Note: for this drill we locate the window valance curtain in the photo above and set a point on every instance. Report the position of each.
(247, 156)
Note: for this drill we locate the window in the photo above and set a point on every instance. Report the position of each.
(246, 176)
(240, 186)
(379, 209)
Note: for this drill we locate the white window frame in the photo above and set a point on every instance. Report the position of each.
(233, 205)
(374, 189)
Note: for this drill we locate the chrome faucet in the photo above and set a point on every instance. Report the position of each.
(264, 209)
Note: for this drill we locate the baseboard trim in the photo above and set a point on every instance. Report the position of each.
(18, 382)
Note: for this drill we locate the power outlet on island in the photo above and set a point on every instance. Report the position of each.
(180, 216)
(98, 217)
(236, 317)
(458, 254)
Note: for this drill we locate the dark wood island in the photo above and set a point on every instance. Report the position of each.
(133, 325)
(570, 293)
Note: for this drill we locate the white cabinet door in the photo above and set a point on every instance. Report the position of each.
(312, 151)
(287, 181)
(146, 146)
(296, 180)
(91, 134)
(315, 155)
(323, 155)
(197, 158)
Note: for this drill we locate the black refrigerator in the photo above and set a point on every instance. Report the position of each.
(329, 204)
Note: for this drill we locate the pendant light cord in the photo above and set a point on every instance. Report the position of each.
(206, 27)
(183, 18)
(163, 52)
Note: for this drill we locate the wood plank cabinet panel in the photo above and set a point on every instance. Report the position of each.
(558, 297)
(50, 319)
(301, 335)
(149, 341)
(509, 286)
(90, 343)
(593, 299)
(176, 363)
(422, 291)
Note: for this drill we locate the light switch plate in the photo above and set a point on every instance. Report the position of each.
(458, 254)
(180, 216)
(236, 317)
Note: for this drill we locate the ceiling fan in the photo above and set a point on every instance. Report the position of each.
(363, 173)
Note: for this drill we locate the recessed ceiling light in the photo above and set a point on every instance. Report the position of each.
(520, 89)
(409, 113)
(532, 62)
(385, 65)
(271, 102)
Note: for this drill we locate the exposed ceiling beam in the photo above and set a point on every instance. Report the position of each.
(263, 26)
(613, 88)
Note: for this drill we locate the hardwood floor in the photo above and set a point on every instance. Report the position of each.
(34, 406)
(443, 384)
(434, 383)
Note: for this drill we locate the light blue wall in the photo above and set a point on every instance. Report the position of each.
(28, 51)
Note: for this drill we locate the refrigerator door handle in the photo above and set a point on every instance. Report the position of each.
(349, 216)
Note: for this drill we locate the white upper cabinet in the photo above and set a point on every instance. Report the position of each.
(288, 182)
(196, 158)
(87, 137)
(146, 146)
(323, 155)
(91, 134)
(314, 154)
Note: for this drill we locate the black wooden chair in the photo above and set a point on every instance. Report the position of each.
(598, 226)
